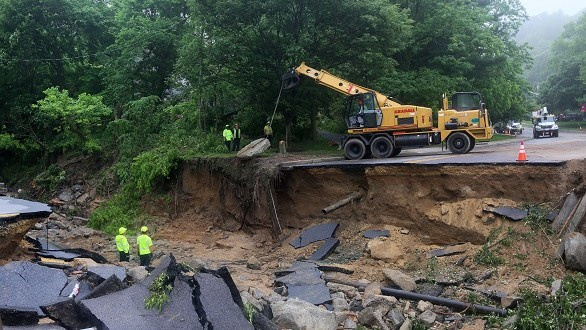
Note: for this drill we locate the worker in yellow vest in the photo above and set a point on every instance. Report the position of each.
(122, 245)
(144, 244)
(227, 137)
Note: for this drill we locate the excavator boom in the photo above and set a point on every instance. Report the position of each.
(322, 77)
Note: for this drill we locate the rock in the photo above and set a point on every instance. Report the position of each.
(445, 210)
(423, 305)
(556, 286)
(261, 322)
(247, 298)
(427, 318)
(404, 231)
(79, 221)
(398, 278)
(406, 325)
(137, 274)
(85, 262)
(77, 188)
(575, 251)
(385, 250)
(340, 317)
(372, 290)
(67, 195)
(373, 317)
(349, 324)
(253, 263)
(396, 317)
(297, 314)
(340, 304)
(197, 264)
(349, 291)
(256, 293)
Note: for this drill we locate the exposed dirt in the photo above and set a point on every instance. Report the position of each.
(222, 213)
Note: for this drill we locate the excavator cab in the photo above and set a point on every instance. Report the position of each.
(464, 101)
(362, 111)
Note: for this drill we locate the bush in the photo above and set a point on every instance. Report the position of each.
(566, 310)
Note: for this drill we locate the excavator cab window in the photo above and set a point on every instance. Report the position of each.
(467, 101)
(361, 110)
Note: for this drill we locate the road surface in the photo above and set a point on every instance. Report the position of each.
(569, 145)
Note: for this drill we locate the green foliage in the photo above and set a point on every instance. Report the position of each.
(536, 218)
(8, 142)
(74, 122)
(159, 293)
(51, 178)
(566, 310)
(121, 210)
(249, 311)
(565, 88)
(488, 257)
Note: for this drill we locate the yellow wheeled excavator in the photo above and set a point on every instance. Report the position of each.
(380, 126)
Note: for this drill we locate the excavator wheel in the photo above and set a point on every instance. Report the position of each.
(354, 149)
(381, 147)
(472, 145)
(396, 151)
(459, 143)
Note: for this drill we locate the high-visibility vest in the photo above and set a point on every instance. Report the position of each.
(122, 244)
(144, 243)
(227, 135)
(236, 133)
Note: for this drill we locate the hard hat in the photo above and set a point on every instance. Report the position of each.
(121, 230)
(227, 125)
(144, 229)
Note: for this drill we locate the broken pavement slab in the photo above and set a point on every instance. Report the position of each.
(105, 271)
(304, 281)
(28, 286)
(325, 249)
(17, 217)
(374, 233)
(313, 234)
(512, 213)
(447, 251)
(215, 305)
(18, 316)
(126, 309)
(566, 210)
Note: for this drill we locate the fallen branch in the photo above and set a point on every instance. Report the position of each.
(351, 198)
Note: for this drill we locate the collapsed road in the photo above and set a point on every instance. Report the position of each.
(415, 231)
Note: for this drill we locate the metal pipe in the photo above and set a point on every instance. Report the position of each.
(463, 306)
(352, 197)
(444, 302)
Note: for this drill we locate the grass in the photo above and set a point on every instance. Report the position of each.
(501, 137)
(572, 125)
(566, 310)
(159, 289)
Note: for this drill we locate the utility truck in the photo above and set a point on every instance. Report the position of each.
(380, 126)
(544, 124)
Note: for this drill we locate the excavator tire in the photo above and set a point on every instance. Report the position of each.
(381, 147)
(472, 145)
(354, 149)
(396, 151)
(459, 143)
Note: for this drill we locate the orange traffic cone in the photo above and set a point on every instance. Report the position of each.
(522, 156)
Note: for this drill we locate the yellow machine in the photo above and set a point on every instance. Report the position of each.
(382, 126)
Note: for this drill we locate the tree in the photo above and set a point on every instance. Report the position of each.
(565, 87)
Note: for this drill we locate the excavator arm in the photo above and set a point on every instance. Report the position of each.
(322, 77)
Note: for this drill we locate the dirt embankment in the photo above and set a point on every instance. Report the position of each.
(442, 204)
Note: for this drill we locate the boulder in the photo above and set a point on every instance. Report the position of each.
(398, 278)
(372, 317)
(396, 317)
(297, 314)
(253, 263)
(385, 250)
(137, 274)
(427, 318)
(575, 251)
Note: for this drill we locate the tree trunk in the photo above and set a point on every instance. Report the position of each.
(314, 124)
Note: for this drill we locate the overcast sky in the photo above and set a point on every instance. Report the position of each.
(570, 7)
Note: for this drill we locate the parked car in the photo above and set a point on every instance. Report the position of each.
(515, 128)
